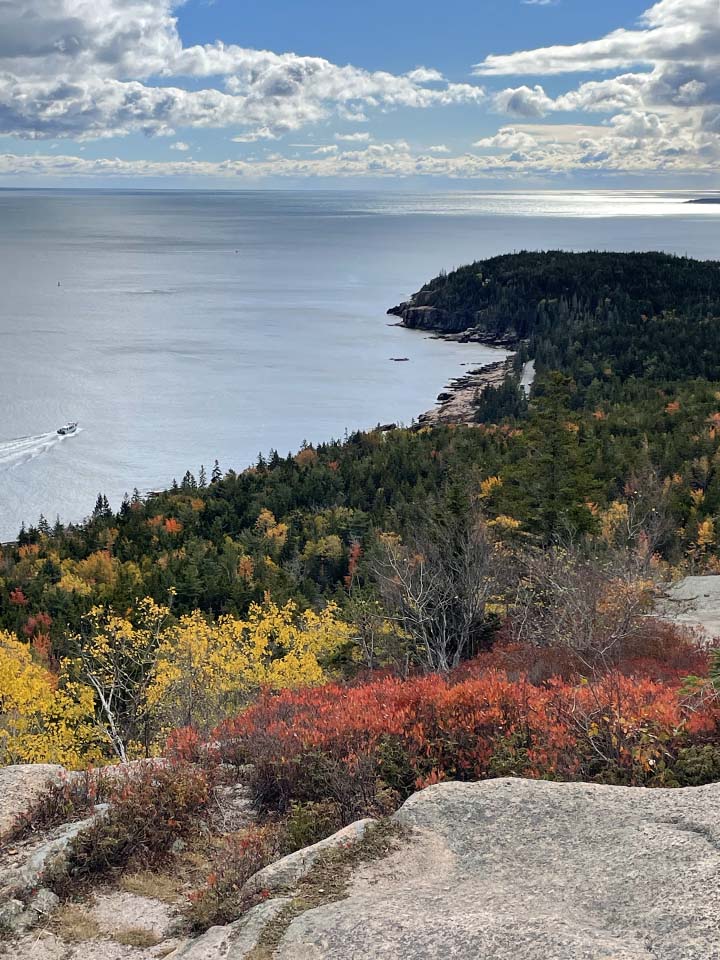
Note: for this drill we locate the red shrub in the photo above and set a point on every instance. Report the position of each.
(183, 744)
(335, 742)
(18, 598)
(151, 806)
(221, 900)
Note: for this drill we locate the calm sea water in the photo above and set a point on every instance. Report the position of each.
(181, 327)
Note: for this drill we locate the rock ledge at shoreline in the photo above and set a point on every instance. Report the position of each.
(457, 400)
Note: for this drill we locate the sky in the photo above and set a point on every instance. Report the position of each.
(487, 94)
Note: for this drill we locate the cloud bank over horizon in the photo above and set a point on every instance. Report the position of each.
(76, 72)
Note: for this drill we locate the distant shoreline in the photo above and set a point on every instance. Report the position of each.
(456, 402)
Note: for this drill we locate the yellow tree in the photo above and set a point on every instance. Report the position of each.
(273, 533)
(42, 720)
(204, 671)
(116, 657)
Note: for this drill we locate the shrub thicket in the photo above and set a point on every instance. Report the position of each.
(151, 806)
(363, 747)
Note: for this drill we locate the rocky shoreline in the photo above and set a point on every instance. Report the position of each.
(456, 403)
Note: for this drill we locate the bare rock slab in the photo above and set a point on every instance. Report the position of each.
(44, 945)
(286, 872)
(21, 872)
(116, 912)
(20, 786)
(529, 870)
(694, 603)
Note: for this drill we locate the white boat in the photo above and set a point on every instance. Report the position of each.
(67, 428)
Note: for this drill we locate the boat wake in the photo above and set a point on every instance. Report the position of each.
(13, 453)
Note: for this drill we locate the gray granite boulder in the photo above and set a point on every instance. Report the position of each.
(693, 603)
(20, 786)
(234, 941)
(529, 870)
(286, 872)
(22, 871)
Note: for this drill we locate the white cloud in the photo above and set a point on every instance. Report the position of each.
(546, 151)
(669, 108)
(181, 146)
(569, 133)
(82, 68)
(425, 75)
(262, 133)
(523, 101)
(102, 68)
(352, 114)
(508, 138)
(671, 30)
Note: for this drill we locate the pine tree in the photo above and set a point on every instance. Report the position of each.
(552, 483)
(216, 474)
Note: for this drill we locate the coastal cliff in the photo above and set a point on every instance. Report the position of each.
(450, 326)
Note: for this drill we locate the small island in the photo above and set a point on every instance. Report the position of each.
(704, 200)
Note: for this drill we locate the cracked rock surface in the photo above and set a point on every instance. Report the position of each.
(529, 870)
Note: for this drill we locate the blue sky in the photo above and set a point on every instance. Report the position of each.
(486, 93)
(398, 35)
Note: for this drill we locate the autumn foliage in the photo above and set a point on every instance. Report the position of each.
(348, 744)
(134, 678)
(152, 805)
(41, 718)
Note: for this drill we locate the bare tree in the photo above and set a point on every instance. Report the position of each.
(592, 604)
(647, 520)
(436, 586)
(115, 658)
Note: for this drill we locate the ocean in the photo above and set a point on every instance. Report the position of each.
(182, 327)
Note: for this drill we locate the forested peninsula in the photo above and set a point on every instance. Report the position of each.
(627, 354)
